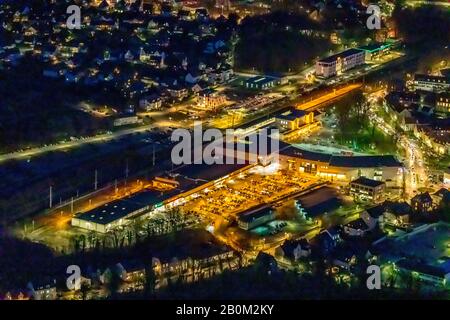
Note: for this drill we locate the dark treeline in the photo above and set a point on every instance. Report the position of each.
(273, 42)
(35, 110)
(423, 26)
(259, 282)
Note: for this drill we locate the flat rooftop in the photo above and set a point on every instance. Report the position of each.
(434, 79)
(203, 173)
(368, 182)
(255, 213)
(354, 161)
(291, 114)
(431, 245)
(260, 80)
(189, 177)
(112, 211)
(319, 201)
(373, 47)
(340, 55)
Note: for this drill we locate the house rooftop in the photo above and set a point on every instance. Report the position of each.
(357, 224)
(422, 197)
(376, 212)
(397, 208)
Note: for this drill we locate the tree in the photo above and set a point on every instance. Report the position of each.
(150, 281)
(84, 289)
(113, 285)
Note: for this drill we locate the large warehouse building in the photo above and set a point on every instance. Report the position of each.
(187, 180)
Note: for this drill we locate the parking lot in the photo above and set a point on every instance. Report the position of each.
(257, 186)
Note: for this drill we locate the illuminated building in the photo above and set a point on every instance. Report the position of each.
(151, 102)
(339, 63)
(344, 168)
(375, 51)
(435, 137)
(261, 82)
(114, 214)
(422, 203)
(182, 184)
(431, 83)
(435, 276)
(255, 217)
(367, 189)
(443, 103)
(293, 250)
(395, 214)
(210, 99)
(293, 119)
(42, 290)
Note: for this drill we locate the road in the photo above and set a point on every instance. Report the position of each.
(416, 173)
(101, 138)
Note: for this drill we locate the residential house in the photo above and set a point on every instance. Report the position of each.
(371, 216)
(356, 228)
(327, 240)
(436, 137)
(422, 203)
(441, 197)
(131, 271)
(42, 289)
(15, 295)
(396, 214)
(193, 265)
(294, 250)
(177, 92)
(151, 102)
(347, 256)
(132, 274)
(443, 103)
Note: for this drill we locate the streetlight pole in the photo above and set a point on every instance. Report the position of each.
(51, 197)
(95, 180)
